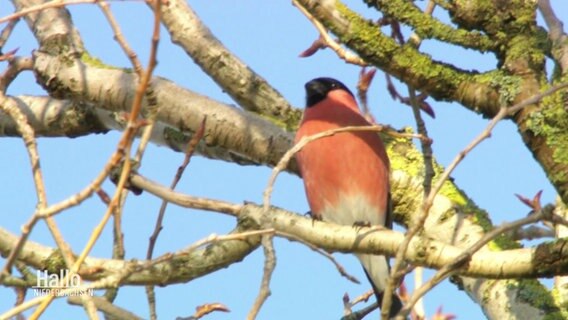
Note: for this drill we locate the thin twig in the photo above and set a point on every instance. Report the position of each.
(191, 147)
(347, 56)
(348, 305)
(184, 200)
(119, 37)
(269, 265)
(205, 309)
(365, 79)
(214, 238)
(110, 310)
(124, 145)
(150, 94)
(531, 233)
(462, 259)
(324, 253)
(15, 67)
(110, 281)
(28, 136)
(418, 280)
(363, 298)
(427, 155)
(48, 5)
(137, 66)
(556, 34)
(7, 31)
(359, 315)
(181, 169)
(118, 251)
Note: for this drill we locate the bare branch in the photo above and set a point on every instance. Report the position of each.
(184, 200)
(203, 310)
(327, 255)
(556, 34)
(110, 310)
(555, 25)
(326, 40)
(16, 65)
(119, 37)
(158, 226)
(531, 233)
(7, 31)
(42, 7)
(247, 88)
(269, 265)
(462, 259)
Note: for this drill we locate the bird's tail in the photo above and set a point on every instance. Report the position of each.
(377, 270)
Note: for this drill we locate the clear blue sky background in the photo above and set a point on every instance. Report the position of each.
(268, 36)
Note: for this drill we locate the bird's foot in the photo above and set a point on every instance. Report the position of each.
(314, 217)
(361, 224)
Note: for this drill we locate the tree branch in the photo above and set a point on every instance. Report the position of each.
(543, 260)
(428, 27)
(556, 34)
(181, 108)
(442, 81)
(247, 88)
(56, 118)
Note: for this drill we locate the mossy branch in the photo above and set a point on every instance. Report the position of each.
(440, 80)
(428, 27)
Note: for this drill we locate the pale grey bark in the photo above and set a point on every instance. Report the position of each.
(246, 87)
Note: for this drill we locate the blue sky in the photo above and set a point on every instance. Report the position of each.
(268, 36)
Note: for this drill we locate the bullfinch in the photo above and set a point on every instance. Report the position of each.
(346, 176)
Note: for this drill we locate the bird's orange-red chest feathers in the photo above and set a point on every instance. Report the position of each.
(346, 171)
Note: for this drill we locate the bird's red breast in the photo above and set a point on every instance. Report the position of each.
(346, 175)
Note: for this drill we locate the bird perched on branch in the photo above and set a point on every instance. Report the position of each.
(346, 176)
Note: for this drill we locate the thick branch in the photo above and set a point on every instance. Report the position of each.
(544, 129)
(544, 260)
(247, 88)
(441, 81)
(498, 19)
(52, 28)
(54, 118)
(445, 215)
(51, 117)
(428, 27)
(512, 263)
(247, 137)
(180, 268)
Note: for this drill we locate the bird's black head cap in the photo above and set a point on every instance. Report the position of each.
(317, 89)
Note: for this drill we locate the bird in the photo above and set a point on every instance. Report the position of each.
(346, 175)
